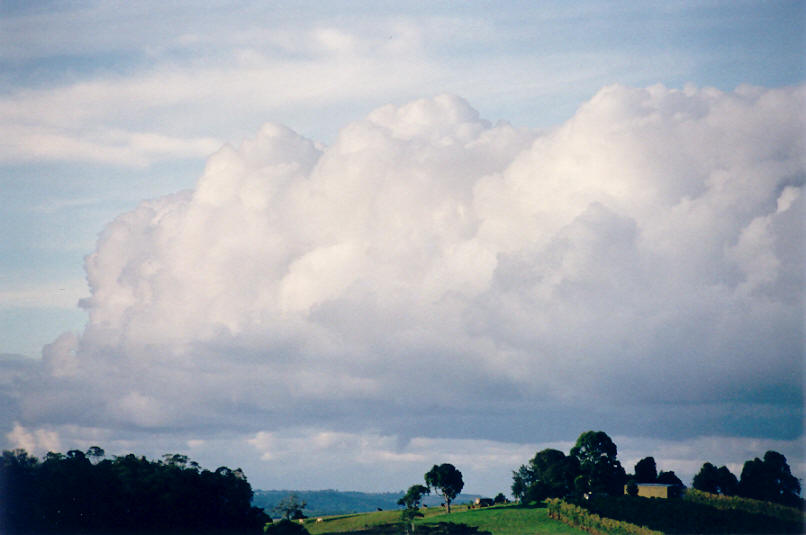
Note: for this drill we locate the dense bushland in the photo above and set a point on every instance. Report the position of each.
(128, 494)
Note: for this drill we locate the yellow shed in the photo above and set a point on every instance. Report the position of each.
(656, 490)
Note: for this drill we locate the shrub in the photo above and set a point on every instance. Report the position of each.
(285, 527)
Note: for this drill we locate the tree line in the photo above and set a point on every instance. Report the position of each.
(87, 493)
(592, 467)
(769, 479)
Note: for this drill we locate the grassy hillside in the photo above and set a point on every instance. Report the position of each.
(354, 522)
(507, 520)
(501, 520)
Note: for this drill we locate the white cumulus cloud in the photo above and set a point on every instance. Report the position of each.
(643, 258)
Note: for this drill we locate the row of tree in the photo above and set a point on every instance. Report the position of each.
(80, 492)
(769, 479)
(592, 466)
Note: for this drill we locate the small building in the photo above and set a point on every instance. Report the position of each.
(657, 490)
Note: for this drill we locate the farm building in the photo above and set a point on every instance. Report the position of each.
(657, 490)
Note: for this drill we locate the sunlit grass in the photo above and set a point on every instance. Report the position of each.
(353, 522)
(500, 520)
(508, 520)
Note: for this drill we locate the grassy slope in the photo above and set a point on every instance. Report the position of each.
(501, 520)
(342, 523)
(509, 520)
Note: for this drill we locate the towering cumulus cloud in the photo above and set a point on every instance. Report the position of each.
(644, 259)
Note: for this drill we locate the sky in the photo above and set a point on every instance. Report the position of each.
(337, 243)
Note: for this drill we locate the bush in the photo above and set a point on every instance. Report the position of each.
(285, 527)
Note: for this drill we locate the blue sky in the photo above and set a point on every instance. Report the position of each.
(105, 105)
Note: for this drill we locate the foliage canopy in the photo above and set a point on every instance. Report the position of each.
(447, 481)
(70, 494)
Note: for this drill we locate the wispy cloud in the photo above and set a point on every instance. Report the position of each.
(162, 105)
(62, 294)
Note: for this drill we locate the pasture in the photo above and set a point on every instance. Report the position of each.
(499, 520)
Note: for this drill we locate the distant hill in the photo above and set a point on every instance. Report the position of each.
(335, 502)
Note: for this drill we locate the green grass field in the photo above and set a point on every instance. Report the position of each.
(354, 522)
(500, 520)
(508, 520)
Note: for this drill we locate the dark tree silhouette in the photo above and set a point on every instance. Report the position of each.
(707, 479)
(96, 454)
(70, 494)
(715, 480)
(770, 480)
(601, 471)
(670, 478)
(446, 480)
(549, 474)
(728, 484)
(646, 471)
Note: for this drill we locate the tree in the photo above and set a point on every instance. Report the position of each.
(411, 501)
(290, 507)
(728, 484)
(96, 453)
(500, 498)
(670, 478)
(716, 480)
(76, 455)
(596, 454)
(549, 474)
(707, 479)
(646, 471)
(632, 488)
(770, 480)
(581, 485)
(175, 459)
(446, 480)
(522, 479)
